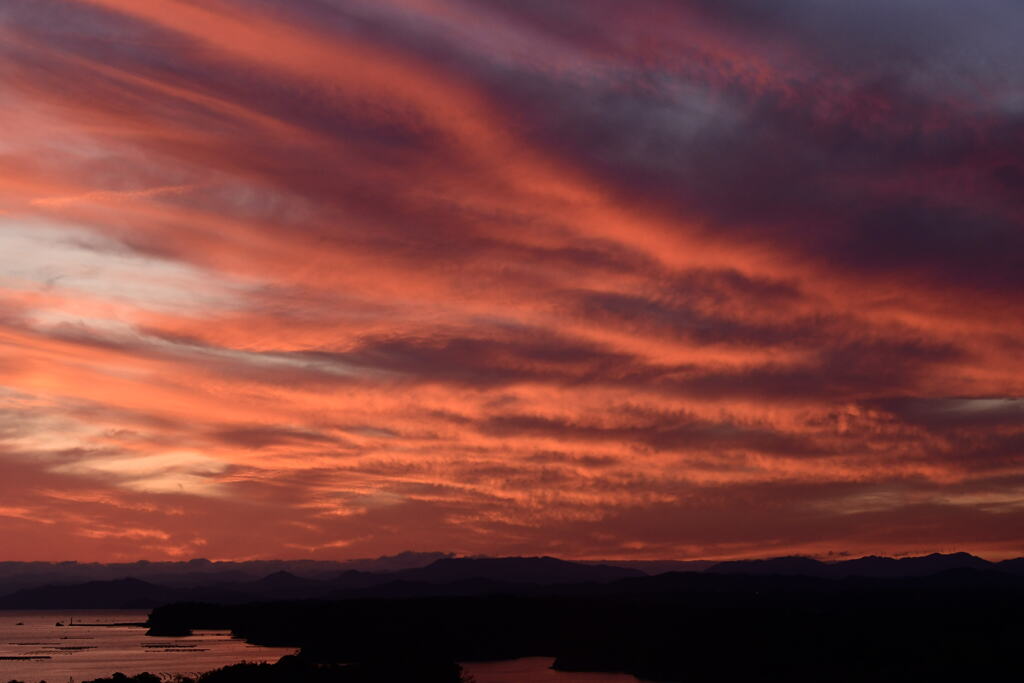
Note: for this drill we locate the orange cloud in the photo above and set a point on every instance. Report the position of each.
(500, 280)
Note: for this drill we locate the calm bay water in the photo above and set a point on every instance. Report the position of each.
(536, 670)
(93, 648)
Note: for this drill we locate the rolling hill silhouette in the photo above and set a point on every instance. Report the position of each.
(118, 594)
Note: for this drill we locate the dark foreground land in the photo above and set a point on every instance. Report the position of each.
(961, 625)
(292, 669)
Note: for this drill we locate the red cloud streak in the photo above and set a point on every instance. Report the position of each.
(699, 279)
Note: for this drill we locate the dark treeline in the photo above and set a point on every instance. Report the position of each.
(961, 625)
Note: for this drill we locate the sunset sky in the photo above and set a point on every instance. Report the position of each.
(586, 278)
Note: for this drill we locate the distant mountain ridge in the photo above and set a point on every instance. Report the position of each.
(654, 567)
(198, 572)
(462, 576)
(541, 570)
(870, 566)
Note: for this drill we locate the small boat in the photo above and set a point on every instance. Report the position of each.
(59, 623)
(20, 623)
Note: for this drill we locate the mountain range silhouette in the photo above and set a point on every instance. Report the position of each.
(454, 576)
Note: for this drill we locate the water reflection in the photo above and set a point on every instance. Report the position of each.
(536, 670)
(34, 648)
